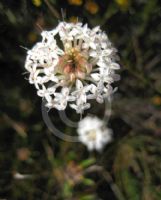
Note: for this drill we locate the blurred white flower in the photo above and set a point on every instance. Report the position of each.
(93, 133)
(74, 57)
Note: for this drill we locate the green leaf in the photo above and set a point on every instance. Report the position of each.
(87, 162)
(88, 182)
(88, 197)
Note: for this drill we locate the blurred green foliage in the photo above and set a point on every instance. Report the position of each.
(36, 165)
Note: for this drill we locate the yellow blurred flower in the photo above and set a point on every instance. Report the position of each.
(156, 100)
(73, 19)
(32, 37)
(123, 4)
(37, 3)
(91, 7)
(75, 2)
(23, 153)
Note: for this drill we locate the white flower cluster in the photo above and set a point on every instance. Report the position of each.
(72, 64)
(93, 133)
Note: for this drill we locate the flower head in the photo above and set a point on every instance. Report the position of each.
(72, 64)
(75, 2)
(93, 133)
(91, 7)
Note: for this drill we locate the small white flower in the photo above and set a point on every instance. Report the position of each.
(44, 93)
(97, 92)
(80, 107)
(82, 70)
(93, 133)
(61, 99)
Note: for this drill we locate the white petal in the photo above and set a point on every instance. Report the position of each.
(95, 76)
(99, 99)
(115, 66)
(93, 45)
(65, 91)
(79, 84)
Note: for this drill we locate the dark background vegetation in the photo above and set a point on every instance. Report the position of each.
(34, 164)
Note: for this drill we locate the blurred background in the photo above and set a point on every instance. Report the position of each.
(34, 164)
